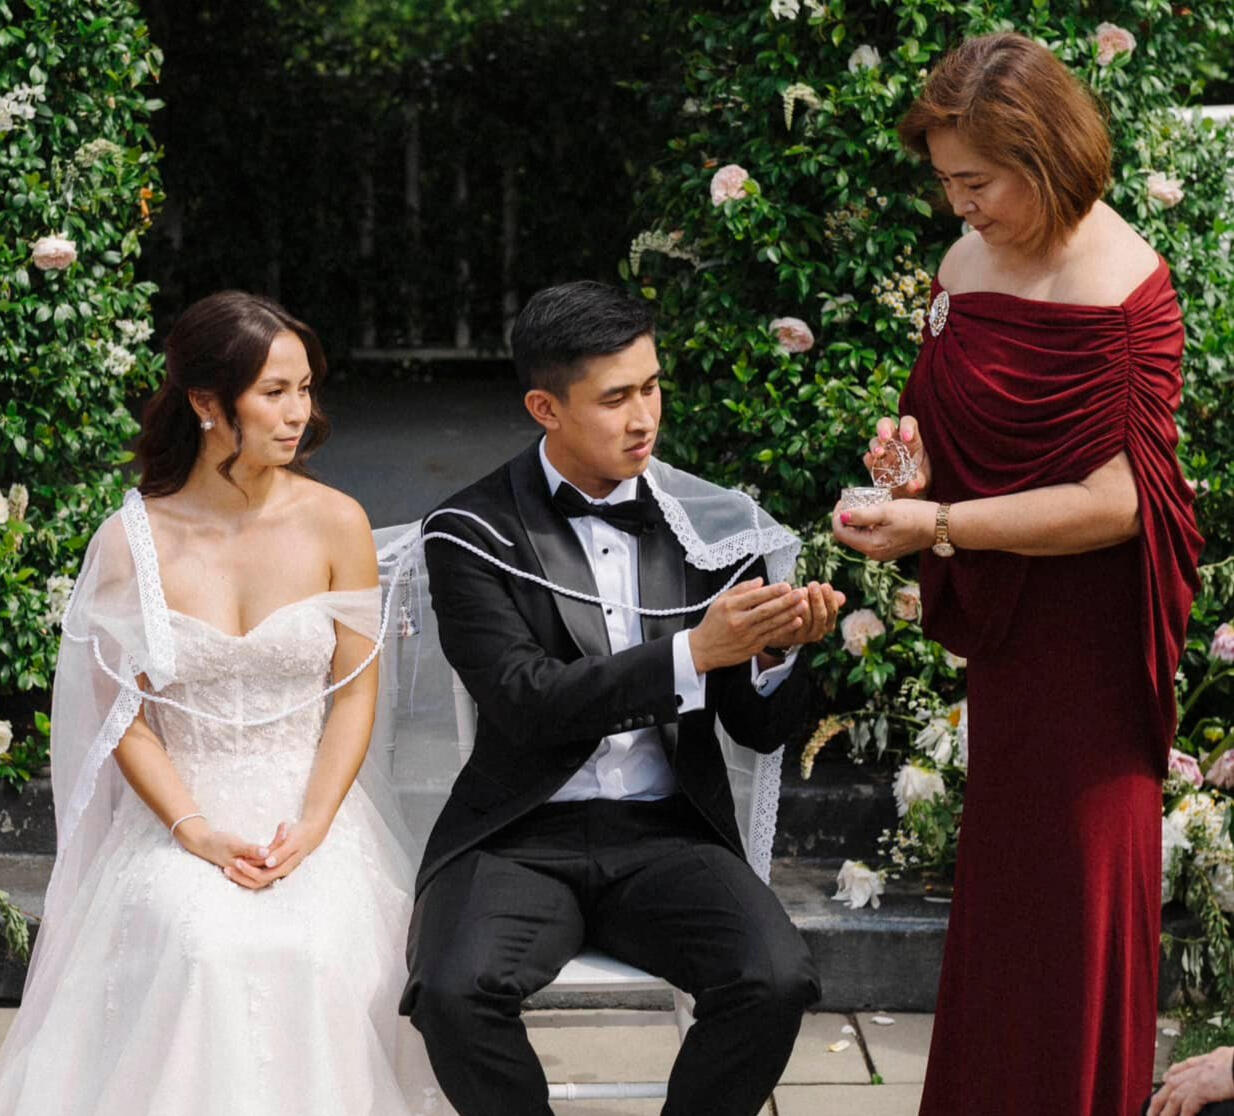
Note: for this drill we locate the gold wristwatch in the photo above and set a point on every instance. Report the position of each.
(942, 540)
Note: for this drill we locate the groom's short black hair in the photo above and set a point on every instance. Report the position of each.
(560, 327)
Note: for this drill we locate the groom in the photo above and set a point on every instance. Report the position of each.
(596, 807)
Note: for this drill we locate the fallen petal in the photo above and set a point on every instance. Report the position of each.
(848, 1029)
(882, 1020)
(839, 1047)
(1170, 1032)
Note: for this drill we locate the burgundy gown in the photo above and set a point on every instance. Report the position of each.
(1047, 1002)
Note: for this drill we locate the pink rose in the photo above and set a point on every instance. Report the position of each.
(858, 628)
(793, 334)
(53, 253)
(906, 604)
(1185, 767)
(728, 184)
(1223, 644)
(1221, 774)
(1111, 40)
(1168, 191)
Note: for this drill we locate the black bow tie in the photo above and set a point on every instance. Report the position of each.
(635, 517)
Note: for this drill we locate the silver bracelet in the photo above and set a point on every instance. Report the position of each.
(186, 817)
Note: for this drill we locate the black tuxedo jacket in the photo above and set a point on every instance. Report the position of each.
(545, 682)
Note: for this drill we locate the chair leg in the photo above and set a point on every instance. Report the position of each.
(683, 1012)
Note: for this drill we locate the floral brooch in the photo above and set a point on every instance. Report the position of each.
(938, 312)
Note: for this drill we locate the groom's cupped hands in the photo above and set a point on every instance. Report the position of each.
(751, 616)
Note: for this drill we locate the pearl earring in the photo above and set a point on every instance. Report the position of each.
(207, 424)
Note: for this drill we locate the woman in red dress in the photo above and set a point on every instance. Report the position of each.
(1060, 550)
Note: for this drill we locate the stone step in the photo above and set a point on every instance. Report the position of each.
(24, 876)
(27, 818)
(838, 813)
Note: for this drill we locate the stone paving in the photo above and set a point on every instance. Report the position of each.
(817, 1082)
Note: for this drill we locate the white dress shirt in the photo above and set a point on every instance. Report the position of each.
(632, 764)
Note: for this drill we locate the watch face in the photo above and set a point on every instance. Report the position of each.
(943, 549)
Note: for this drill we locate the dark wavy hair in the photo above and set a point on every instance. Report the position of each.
(219, 346)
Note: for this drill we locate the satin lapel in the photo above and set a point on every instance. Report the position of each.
(560, 553)
(661, 580)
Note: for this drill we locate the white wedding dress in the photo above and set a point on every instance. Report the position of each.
(184, 994)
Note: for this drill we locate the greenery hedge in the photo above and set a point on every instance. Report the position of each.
(79, 174)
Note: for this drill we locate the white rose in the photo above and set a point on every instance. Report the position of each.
(53, 253)
(915, 783)
(18, 501)
(865, 57)
(1173, 844)
(906, 604)
(793, 334)
(858, 628)
(1112, 40)
(1168, 191)
(6, 735)
(858, 885)
(728, 184)
(785, 9)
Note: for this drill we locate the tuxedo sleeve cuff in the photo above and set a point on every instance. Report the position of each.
(688, 684)
(766, 682)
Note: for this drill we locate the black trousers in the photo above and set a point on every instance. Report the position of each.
(641, 881)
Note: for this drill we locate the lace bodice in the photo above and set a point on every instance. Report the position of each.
(279, 664)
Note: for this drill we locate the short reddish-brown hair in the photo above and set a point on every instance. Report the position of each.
(1020, 107)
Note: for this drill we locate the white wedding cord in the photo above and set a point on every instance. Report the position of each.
(400, 564)
(237, 722)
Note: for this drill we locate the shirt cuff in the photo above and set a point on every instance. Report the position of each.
(768, 681)
(689, 685)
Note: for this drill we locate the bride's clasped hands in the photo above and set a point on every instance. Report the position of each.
(250, 865)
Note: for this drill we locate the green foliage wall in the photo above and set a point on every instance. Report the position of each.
(786, 196)
(77, 165)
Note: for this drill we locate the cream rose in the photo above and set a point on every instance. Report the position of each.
(1185, 767)
(1168, 191)
(793, 334)
(865, 57)
(906, 604)
(858, 628)
(728, 184)
(1223, 644)
(1112, 40)
(53, 253)
(6, 735)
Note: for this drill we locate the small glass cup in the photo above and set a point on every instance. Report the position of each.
(863, 497)
(896, 466)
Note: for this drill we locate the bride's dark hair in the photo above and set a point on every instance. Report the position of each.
(219, 345)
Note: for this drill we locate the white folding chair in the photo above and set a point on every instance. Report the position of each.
(755, 782)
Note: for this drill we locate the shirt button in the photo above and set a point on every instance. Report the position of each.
(604, 550)
(608, 612)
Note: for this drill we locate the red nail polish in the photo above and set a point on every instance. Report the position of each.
(844, 518)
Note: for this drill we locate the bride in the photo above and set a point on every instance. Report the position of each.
(224, 927)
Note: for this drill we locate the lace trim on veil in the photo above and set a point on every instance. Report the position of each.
(162, 668)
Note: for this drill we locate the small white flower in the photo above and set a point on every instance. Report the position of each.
(936, 740)
(865, 57)
(118, 360)
(799, 92)
(96, 151)
(134, 333)
(858, 885)
(53, 253)
(956, 662)
(915, 783)
(59, 589)
(1168, 191)
(18, 501)
(1223, 644)
(6, 735)
(785, 9)
(1174, 843)
(817, 7)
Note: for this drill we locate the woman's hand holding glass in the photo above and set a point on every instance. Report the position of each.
(897, 459)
